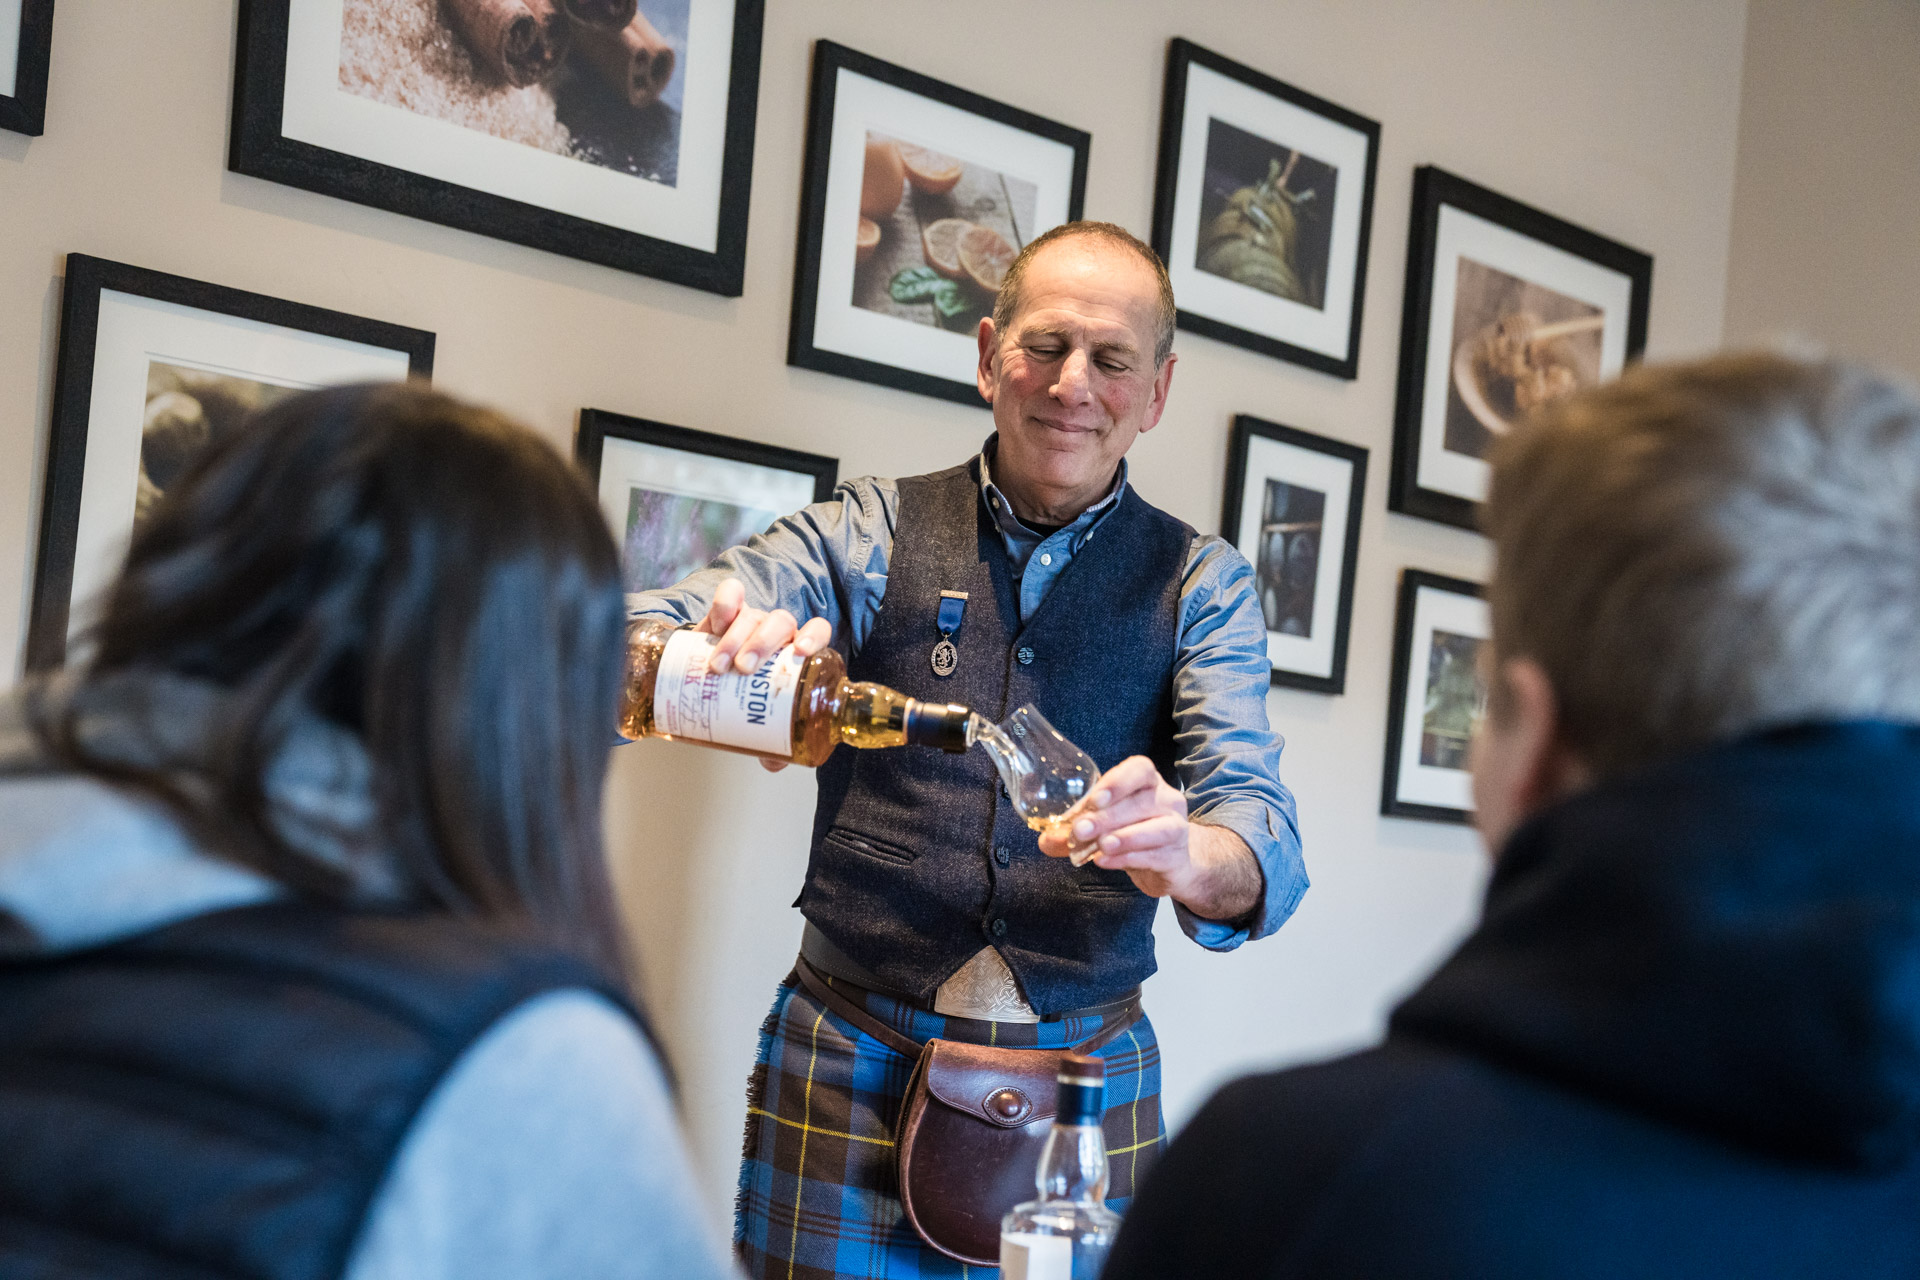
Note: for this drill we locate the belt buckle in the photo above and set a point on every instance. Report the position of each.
(984, 989)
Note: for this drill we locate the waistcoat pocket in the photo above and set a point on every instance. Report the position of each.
(1102, 883)
(869, 846)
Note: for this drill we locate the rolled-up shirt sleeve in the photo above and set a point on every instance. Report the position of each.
(826, 560)
(1225, 752)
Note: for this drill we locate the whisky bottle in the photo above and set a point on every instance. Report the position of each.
(792, 708)
(1067, 1233)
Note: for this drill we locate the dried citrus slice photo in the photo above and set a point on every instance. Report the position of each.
(930, 172)
(985, 256)
(869, 240)
(940, 241)
(885, 179)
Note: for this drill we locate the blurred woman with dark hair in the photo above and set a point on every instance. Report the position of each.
(309, 965)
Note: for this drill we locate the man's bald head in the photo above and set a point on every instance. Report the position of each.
(1007, 303)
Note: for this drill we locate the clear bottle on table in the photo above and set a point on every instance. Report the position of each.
(791, 708)
(1067, 1232)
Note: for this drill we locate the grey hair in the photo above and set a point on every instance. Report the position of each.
(1701, 550)
(1006, 303)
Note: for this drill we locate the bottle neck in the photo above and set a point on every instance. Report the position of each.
(1074, 1165)
(934, 724)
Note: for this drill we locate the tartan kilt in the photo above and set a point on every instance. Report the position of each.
(819, 1197)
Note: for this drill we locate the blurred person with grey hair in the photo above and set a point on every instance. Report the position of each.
(1685, 1038)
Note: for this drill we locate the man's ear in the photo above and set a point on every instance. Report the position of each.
(989, 349)
(1162, 381)
(1521, 762)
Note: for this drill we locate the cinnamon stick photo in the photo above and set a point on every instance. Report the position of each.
(521, 41)
(533, 72)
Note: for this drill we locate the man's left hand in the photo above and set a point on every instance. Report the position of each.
(1138, 823)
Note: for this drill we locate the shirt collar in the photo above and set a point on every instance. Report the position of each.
(1003, 510)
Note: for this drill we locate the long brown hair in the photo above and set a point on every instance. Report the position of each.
(432, 577)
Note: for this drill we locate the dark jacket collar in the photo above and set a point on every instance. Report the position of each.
(1729, 941)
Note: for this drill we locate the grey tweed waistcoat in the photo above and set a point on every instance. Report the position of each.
(919, 859)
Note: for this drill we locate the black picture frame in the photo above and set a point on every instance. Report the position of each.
(1435, 189)
(259, 148)
(25, 109)
(1182, 56)
(87, 278)
(1246, 430)
(598, 426)
(1392, 803)
(829, 59)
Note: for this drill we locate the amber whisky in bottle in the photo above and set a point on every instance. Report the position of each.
(791, 708)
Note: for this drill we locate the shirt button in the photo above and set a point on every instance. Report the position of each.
(999, 928)
(1001, 857)
(1025, 656)
(1046, 557)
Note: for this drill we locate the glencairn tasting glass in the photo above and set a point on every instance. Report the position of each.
(1045, 775)
(1067, 1233)
(791, 708)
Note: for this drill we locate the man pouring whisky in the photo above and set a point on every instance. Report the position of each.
(1031, 573)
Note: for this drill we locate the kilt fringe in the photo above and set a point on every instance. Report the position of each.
(756, 1106)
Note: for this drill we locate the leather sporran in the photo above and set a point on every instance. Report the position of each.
(971, 1128)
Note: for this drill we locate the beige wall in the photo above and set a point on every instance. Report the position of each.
(1619, 116)
(1826, 215)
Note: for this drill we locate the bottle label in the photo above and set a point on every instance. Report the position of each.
(754, 712)
(1027, 1255)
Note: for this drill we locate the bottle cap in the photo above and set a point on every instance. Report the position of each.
(934, 724)
(1082, 1068)
(1083, 1084)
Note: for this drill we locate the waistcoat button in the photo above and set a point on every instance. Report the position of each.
(999, 928)
(1025, 656)
(1001, 857)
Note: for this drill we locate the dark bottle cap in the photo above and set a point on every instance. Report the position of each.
(934, 724)
(1083, 1086)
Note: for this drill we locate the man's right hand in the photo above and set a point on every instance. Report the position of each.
(747, 636)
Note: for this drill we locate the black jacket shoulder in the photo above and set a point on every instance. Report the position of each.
(1418, 1161)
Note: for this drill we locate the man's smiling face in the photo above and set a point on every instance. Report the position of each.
(1073, 379)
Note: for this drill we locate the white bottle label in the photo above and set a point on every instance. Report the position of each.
(1025, 1255)
(690, 700)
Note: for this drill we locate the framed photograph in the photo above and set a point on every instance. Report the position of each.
(1262, 211)
(1437, 698)
(1293, 509)
(1507, 307)
(615, 132)
(676, 498)
(26, 46)
(917, 197)
(151, 368)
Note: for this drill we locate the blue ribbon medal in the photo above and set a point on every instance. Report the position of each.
(953, 609)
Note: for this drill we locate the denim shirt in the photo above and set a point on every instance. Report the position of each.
(829, 560)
